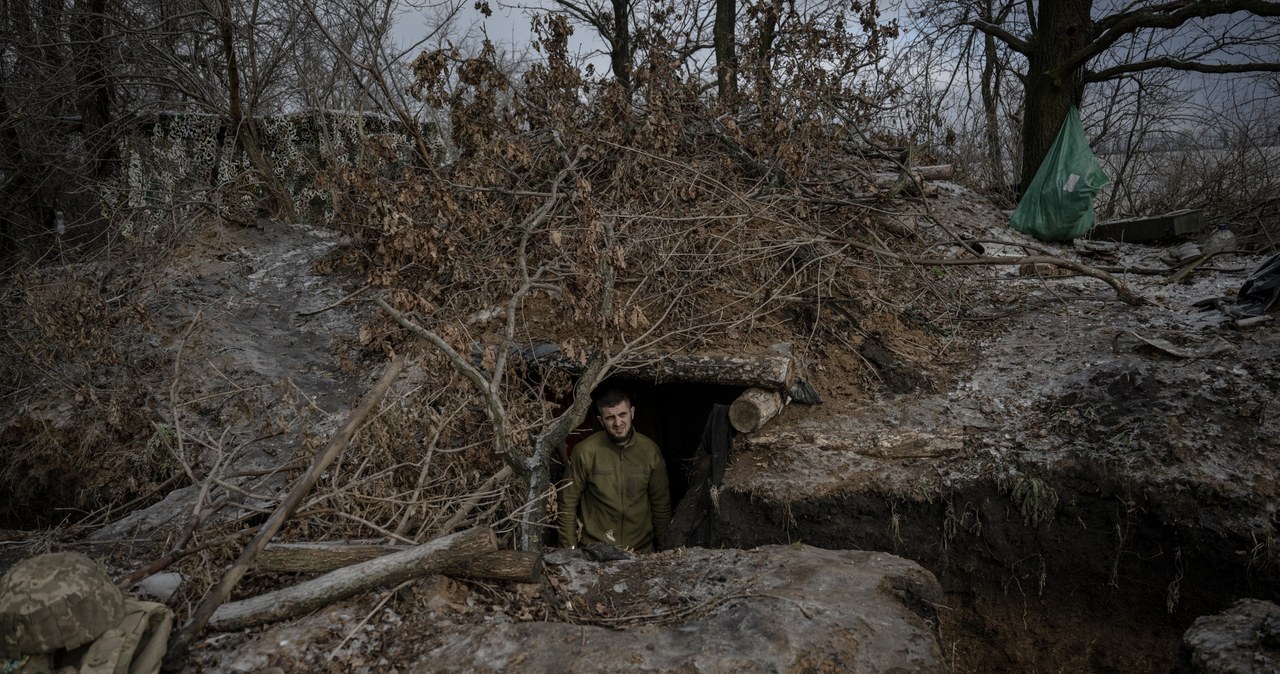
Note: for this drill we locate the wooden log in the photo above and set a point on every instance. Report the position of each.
(769, 370)
(754, 408)
(934, 172)
(426, 559)
(321, 557)
(503, 565)
(514, 566)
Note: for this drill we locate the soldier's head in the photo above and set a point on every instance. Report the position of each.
(615, 414)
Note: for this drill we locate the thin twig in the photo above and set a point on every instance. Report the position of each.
(369, 616)
(337, 303)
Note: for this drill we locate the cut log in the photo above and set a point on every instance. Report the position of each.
(754, 408)
(503, 565)
(426, 559)
(770, 370)
(934, 172)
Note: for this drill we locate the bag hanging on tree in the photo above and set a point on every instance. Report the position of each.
(1058, 205)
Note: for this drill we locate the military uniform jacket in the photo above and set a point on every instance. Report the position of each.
(619, 492)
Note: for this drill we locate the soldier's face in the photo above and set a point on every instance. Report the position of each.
(617, 421)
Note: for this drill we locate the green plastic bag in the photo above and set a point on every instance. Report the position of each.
(1058, 206)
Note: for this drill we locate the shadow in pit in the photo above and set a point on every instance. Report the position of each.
(1101, 584)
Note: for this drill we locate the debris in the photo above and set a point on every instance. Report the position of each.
(1043, 269)
(603, 552)
(1257, 296)
(1222, 240)
(211, 602)
(1151, 228)
(1182, 253)
(1214, 347)
(1261, 289)
(1251, 322)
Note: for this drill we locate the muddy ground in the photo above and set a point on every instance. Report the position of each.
(1081, 496)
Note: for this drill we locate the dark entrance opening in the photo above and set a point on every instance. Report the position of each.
(673, 414)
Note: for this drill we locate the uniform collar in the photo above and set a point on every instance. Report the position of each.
(625, 444)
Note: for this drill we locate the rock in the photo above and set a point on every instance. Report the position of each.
(775, 608)
(1240, 640)
(160, 586)
(57, 601)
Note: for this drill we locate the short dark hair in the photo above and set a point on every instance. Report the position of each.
(611, 398)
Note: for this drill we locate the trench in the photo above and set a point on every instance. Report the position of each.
(1103, 586)
(1106, 580)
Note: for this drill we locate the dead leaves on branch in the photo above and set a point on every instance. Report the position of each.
(688, 221)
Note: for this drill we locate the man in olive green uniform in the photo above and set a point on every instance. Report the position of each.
(617, 484)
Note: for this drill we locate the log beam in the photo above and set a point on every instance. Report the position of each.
(771, 371)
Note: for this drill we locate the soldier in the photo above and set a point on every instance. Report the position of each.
(617, 484)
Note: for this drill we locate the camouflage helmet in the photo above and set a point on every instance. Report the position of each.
(56, 601)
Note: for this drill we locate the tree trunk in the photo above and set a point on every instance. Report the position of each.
(620, 54)
(990, 103)
(726, 57)
(769, 18)
(244, 126)
(539, 493)
(426, 559)
(94, 86)
(1064, 27)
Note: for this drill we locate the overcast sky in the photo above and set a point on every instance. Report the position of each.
(508, 28)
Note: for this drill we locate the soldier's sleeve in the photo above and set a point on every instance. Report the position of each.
(568, 516)
(659, 499)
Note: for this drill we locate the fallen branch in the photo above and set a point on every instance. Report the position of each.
(1127, 296)
(474, 499)
(338, 303)
(177, 553)
(182, 640)
(494, 408)
(323, 557)
(421, 560)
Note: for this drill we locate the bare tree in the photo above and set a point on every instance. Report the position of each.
(1070, 44)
